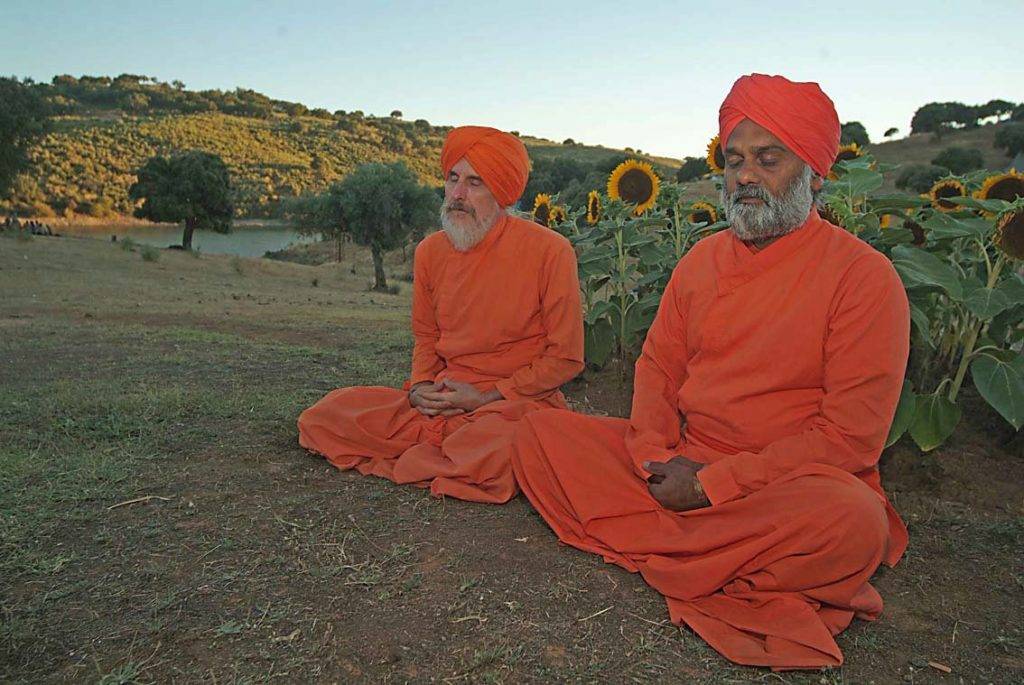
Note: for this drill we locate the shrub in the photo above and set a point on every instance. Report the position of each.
(960, 160)
(919, 177)
(149, 253)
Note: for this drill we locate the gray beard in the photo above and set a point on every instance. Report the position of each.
(462, 237)
(777, 217)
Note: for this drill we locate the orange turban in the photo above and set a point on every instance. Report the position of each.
(500, 158)
(798, 114)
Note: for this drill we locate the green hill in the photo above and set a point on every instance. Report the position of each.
(105, 129)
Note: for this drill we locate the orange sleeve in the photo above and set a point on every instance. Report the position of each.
(426, 364)
(562, 316)
(866, 346)
(654, 420)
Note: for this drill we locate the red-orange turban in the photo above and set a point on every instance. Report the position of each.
(798, 114)
(498, 157)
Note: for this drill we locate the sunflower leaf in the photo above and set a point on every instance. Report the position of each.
(1001, 383)
(946, 227)
(935, 418)
(994, 205)
(920, 269)
(858, 181)
(598, 343)
(987, 303)
(904, 413)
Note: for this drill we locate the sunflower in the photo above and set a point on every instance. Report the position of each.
(828, 214)
(636, 183)
(593, 207)
(715, 157)
(703, 212)
(557, 216)
(1008, 186)
(542, 209)
(916, 229)
(845, 154)
(946, 188)
(1009, 234)
(848, 152)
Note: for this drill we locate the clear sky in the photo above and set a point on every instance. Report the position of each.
(644, 75)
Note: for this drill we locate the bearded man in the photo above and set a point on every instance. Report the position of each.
(745, 486)
(497, 327)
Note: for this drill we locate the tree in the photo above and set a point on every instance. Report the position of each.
(194, 187)
(24, 118)
(960, 160)
(692, 168)
(396, 114)
(380, 204)
(889, 132)
(854, 132)
(1000, 109)
(1011, 139)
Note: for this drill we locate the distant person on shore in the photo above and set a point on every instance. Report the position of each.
(497, 328)
(745, 485)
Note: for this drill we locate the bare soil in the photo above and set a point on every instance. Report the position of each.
(160, 523)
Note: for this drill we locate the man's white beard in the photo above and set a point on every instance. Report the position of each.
(466, 234)
(776, 217)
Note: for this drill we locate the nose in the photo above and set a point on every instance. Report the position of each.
(459, 191)
(746, 175)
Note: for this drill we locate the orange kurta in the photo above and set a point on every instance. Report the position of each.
(505, 314)
(780, 370)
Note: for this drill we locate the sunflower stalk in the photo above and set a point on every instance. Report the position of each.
(975, 330)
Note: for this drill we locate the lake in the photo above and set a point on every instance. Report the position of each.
(246, 240)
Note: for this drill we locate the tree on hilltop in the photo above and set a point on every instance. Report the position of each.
(24, 118)
(193, 187)
(1011, 139)
(854, 132)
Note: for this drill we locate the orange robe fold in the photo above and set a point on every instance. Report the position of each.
(506, 314)
(780, 370)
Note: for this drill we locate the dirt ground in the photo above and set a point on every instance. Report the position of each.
(159, 523)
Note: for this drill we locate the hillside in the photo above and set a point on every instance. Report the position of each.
(919, 148)
(105, 129)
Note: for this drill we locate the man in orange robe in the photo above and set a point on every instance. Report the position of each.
(497, 323)
(745, 485)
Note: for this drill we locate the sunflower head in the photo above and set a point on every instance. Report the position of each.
(916, 229)
(845, 154)
(942, 190)
(556, 216)
(1009, 234)
(593, 207)
(829, 214)
(635, 183)
(715, 157)
(703, 212)
(542, 208)
(1008, 186)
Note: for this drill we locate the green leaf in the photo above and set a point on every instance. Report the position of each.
(947, 227)
(598, 343)
(858, 182)
(1013, 288)
(985, 303)
(904, 413)
(935, 418)
(921, 325)
(896, 236)
(919, 269)
(1001, 383)
(898, 202)
(597, 311)
(994, 206)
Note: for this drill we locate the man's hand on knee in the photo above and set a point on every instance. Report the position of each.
(674, 484)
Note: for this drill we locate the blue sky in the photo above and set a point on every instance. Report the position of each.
(619, 74)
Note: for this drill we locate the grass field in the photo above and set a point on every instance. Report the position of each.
(158, 521)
